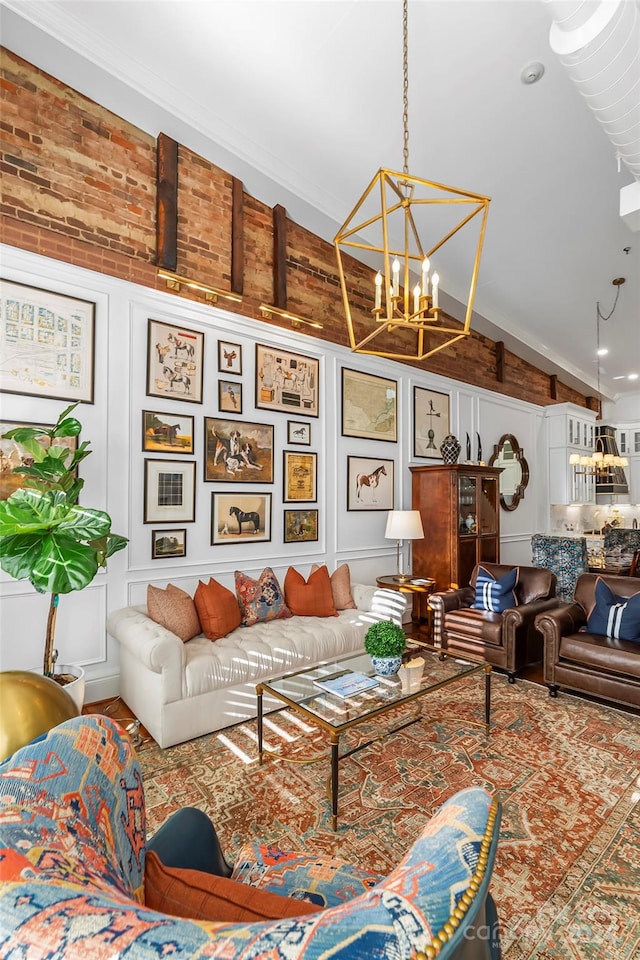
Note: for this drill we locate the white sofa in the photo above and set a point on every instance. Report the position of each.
(183, 690)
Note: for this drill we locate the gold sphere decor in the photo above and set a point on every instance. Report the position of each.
(30, 705)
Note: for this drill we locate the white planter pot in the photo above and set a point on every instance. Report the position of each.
(75, 689)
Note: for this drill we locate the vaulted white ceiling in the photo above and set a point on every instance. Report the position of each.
(302, 100)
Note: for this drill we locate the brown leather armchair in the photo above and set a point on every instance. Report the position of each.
(507, 640)
(589, 662)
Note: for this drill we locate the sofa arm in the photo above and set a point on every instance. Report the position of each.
(553, 625)
(452, 599)
(514, 617)
(149, 642)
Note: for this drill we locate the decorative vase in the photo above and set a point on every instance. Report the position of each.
(450, 449)
(75, 686)
(386, 666)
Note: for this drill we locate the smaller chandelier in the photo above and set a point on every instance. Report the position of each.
(398, 313)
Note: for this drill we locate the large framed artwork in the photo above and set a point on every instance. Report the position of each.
(369, 483)
(169, 491)
(174, 362)
(13, 454)
(46, 343)
(286, 381)
(430, 422)
(300, 476)
(300, 526)
(240, 517)
(369, 406)
(166, 433)
(236, 451)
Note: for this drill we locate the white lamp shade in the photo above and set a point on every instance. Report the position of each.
(404, 525)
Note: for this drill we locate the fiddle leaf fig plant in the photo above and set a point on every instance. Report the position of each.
(46, 536)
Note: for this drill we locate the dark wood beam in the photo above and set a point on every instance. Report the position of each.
(280, 257)
(237, 236)
(553, 386)
(500, 361)
(167, 203)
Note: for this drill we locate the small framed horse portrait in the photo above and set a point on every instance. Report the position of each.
(370, 483)
(240, 517)
(166, 432)
(174, 362)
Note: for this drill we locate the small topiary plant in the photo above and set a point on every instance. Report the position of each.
(385, 639)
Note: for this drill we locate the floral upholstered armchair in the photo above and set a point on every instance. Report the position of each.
(80, 881)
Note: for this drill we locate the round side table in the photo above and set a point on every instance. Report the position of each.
(421, 589)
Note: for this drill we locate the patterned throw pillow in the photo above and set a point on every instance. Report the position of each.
(312, 597)
(218, 609)
(174, 610)
(340, 587)
(262, 599)
(614, 616)
(495, 595)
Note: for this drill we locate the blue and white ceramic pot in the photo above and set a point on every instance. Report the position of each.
(386, 666)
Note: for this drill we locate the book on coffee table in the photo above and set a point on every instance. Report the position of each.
(347, 683)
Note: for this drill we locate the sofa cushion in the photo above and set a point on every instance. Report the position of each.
(195, 895)
(174, 610)
(494, 595)
(312, 597)
(340, 587)
(321, 880)
(261, 599)
(614, 616)
(218, 609)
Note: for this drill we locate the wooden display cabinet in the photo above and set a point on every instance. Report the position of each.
(460, 509)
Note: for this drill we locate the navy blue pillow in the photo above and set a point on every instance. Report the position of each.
(613, 616)
(495, 595)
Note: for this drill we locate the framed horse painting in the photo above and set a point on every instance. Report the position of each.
(240, 517)
(370, 483)
(166, 432)
(174, 362)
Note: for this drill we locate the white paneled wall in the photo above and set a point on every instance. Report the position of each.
(114, 474)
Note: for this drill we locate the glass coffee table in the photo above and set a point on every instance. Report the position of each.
(335, 715)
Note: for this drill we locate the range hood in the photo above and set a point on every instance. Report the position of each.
(611, 482)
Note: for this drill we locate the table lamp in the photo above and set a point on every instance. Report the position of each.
(403, 525)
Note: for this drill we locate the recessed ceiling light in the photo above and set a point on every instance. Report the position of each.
(603, 351)
(632, 376)
(621, 377)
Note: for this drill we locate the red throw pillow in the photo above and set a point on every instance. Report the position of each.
(312, 597)
(195, 895)
(174, 610)
(217, 608)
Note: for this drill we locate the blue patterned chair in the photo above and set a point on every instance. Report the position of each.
(73, 854)
(565, 556)
(620, 544)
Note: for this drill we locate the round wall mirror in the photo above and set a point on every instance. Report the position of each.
(515, 471)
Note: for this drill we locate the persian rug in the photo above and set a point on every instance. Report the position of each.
(567, 874)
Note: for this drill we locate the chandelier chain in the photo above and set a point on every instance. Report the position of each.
(405, 85)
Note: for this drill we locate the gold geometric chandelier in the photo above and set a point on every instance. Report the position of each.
(397, 313)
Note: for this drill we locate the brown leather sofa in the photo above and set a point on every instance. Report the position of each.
(507, 640)
(589, 662)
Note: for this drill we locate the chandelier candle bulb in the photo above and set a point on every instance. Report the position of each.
(435, 281)
(395, 286)
(416, 298)
(378, 302)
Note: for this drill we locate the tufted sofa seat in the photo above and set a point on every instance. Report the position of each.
(183, 690)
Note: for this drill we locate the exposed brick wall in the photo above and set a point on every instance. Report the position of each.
(79, 185)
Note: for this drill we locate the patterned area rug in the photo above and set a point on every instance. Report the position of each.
(567, 875)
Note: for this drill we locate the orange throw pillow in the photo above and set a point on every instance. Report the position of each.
(174, 610)
(310, 598)
(195, 895)
(340, 587)
(218, 609)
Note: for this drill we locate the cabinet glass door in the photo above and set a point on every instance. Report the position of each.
(488, 505)
(467, 510)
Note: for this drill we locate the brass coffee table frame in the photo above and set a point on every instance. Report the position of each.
(335, 730)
